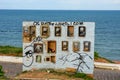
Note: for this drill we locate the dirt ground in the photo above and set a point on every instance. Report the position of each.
(11, 54)
(45, 75)
(101, 60)
(13, 69)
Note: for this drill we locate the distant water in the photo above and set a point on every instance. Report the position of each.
(107, 37)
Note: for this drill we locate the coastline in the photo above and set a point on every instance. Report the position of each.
(10, 51)
(17, 52)
(104, 36)
(12, 58)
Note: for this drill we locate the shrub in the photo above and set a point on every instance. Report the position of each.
(96, 55)
(1, 72)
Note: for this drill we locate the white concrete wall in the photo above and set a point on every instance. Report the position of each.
(90, 29)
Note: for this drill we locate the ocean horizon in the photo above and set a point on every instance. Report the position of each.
(107, 33)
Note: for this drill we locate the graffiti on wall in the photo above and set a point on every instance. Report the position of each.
(78, 60)
(58, 45)
(29, 52)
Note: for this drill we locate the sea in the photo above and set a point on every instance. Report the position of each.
(107, 22)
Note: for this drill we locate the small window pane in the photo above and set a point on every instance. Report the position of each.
(76, 46)
(38, 58)
(38, 48)
(29, 33)
(47, 59)
(82, 31)
(86, 46)
(45, 31)
(53, 59)
(50, 59)
(51, 46)
(70, 32)
(64, 45)
(57, 31)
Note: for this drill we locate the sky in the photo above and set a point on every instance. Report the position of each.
(61, 4)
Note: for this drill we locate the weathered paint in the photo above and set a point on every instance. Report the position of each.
(64, 59)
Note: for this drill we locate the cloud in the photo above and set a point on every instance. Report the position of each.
(60, 4)
(70, 1)
(116, 1)
(110, 1)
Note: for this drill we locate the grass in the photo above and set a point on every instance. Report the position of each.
(2, 77)
(1, 72)
(11, 50)
(82, 75)
(17, 51)
(97, 56)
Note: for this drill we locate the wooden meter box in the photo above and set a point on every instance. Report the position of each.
(59, 45)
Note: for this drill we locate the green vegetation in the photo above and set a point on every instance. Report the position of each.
(24, 72)
(97, 56)
(17, 51)
(1, 72)
(82, 75)
(10, 50)
(2, 77)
